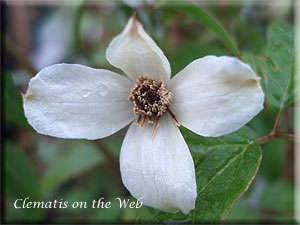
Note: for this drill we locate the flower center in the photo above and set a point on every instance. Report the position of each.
(150, 100)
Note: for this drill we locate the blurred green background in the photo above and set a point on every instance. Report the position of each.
(43, 168)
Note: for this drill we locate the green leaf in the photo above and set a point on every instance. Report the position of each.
(225, 167)
(274, 159)
(83, 155)
(262, 123)
(21, 179)
(278, 199)
(276, 66)
(20, 182)
(208, 21)
(189, 52)
(278, 196)
(13, 105)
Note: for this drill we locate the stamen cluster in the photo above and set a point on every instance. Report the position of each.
(150, 99)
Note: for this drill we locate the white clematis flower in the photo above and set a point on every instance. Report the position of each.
(212, 96)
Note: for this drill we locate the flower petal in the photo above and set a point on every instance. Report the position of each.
(214, 96)
(134, 52)
(159, 171)
(74, 101)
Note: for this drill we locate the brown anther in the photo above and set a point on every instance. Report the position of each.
(150, 100)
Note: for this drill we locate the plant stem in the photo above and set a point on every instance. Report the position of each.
(272, 135)
(287, 136)
(13, 50)
(79, 41)
(276, 124)
(113, 162)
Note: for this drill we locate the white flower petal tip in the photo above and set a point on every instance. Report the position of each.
(159, 171)
(214, 96)
(74, 101)
(134, 52)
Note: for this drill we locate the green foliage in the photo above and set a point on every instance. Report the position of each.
(108, 215)
(208, 21)
(247, 37)
(273, 160)
(20, 182)
(225, 167)
(276, 65)
(13, 105)
(108, 184)
(82, 156)
(262, 123)
(189, 52)
(271, 202)
(241, 212)
(19, 168)
(273, 198)
(77, 194)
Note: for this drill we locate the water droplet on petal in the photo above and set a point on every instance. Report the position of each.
(102, 90)
(85, 93)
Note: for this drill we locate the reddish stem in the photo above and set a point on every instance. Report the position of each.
(272, 134)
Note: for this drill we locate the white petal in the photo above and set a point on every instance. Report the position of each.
(74, 101)
(214, 96)
(134, 52)
(160, 170)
